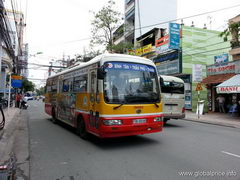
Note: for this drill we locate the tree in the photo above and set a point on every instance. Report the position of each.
(105, 22)
(40, 91)
(27, 85)
(233, 29)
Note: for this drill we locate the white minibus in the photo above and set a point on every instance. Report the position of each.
(173, 97)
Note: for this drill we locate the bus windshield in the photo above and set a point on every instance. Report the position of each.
(172, 87)
(128, 83)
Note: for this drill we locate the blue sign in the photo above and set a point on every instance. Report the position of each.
(16, 83)
(174, 36)
(221, 59)
(129, 66)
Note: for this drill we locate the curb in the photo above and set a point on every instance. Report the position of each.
(213, 123)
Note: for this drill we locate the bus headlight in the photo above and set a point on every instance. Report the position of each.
(112, 122)
(158, 119)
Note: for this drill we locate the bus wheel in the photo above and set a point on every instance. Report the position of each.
(81, 129)
(54, 119)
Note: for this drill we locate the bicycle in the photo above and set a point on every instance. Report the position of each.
(2, 118)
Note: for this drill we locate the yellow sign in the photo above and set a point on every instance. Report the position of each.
(139, 51)
(199, 87)
(147, 49)
(16, 77)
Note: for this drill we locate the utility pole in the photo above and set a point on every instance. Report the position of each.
(50, 69)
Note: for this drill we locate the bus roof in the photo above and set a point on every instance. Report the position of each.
(171, 78)
(108, 57)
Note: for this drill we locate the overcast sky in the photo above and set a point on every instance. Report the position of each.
(56, 27)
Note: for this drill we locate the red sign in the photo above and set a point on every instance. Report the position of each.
(222, 68)
(162, 41)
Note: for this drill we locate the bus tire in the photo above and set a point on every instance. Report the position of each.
(54, 119)
(81, 128)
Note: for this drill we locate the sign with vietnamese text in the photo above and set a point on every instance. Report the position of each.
(129, 66)
(174, 36)
(221, 68)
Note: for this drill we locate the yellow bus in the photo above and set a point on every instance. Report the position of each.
(111, 95)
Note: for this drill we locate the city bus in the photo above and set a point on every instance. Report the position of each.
(173, 97)
(111, 95)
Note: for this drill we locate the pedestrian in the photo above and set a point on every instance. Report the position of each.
(18, 99)
(221, 103)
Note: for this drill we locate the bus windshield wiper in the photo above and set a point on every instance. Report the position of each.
(116, 107)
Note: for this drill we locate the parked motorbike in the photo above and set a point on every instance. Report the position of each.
(4, 102)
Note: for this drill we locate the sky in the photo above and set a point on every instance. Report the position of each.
(58, 27)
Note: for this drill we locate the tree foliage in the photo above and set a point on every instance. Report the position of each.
(27, 85)
(40, 91)
(104, 23)
(233, 29)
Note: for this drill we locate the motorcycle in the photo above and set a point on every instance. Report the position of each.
(24, 105)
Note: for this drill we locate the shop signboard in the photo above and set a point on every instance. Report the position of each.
(168, 67)
(138, 51)
(162, 45)
(196, 72)
(221, 59)
(144, 50)
(147, 49)
(174, 36)
(224, 68)
(165, 57)
(230, 89)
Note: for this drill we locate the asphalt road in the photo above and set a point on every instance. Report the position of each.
(184, 150)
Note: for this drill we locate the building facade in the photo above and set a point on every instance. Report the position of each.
(140, 16)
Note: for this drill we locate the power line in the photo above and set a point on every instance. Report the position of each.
(187, 17)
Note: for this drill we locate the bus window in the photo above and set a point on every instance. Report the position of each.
(80, 84)
(172, 87)
(67, 85)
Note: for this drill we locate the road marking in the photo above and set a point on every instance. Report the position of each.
(231, 154)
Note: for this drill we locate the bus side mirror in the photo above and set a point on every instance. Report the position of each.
(161, 81)
(100, 72)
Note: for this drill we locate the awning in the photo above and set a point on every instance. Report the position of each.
(216, 79)
(231, 85)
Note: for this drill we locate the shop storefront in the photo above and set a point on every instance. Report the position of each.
(223, 80)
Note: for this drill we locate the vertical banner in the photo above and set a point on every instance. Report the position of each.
(174, 36)
(196, 72)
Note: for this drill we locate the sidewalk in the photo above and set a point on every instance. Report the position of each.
(214, 118)
(14, 142)
(7, 134)
(9, 115)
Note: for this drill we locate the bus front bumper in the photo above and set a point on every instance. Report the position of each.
(130, 130)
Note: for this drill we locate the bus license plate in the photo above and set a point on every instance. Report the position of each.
(137, 121)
